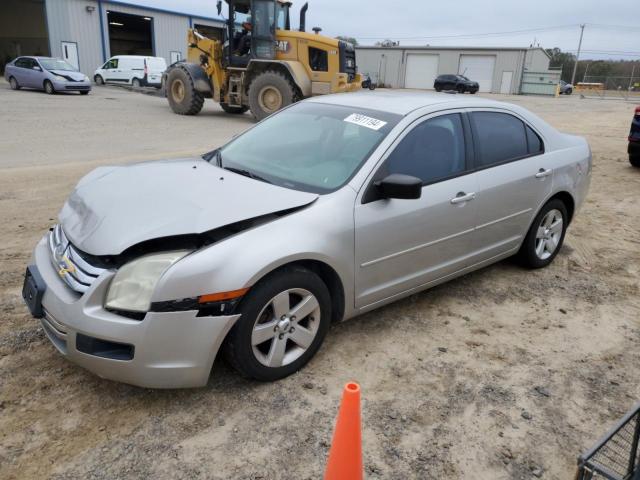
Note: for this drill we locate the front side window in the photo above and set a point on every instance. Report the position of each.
(111, 64)
(318, 60)
(500, 137)
(311, 146)
(432, 151)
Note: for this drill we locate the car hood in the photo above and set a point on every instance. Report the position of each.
(114, 208)
(77, 76)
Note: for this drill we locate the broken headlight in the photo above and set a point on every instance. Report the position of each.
(132, 287)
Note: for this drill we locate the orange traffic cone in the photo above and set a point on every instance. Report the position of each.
(345, 456)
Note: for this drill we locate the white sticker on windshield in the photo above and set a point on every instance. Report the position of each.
(364, 121)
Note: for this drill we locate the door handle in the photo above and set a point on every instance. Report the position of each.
(463, 197)
(542, 173)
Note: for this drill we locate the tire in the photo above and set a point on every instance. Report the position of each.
(460, 88)
(136, 83)
(473, 92)
(48, 87)
(438, 88)
(85, 92)
(182, 94)
(296, 285)
(14, 84)
(269, 92)
(535, 251)
(99, 80)
(634, 161)
(568, 92)
(234, 110)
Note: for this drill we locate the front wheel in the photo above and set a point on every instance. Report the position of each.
(460, 88)
(269, 92)
(546, 235)
(182, 94)
(634, 161)
(48, 87)
(99, 80)
(284, 319)
(568, 92)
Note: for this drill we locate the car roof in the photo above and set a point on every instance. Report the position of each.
(404, 102)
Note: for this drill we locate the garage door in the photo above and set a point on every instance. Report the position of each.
(478, 68)
(422, 70)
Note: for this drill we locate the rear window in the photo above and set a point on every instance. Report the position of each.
(501, 137)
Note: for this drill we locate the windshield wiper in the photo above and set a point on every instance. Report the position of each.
(217, 154)
(247, 173)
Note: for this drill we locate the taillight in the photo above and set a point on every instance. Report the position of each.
(638, 110)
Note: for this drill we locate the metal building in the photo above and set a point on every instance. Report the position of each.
(497, 70)
(87, 32)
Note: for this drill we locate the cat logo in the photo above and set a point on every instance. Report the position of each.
(283, 46)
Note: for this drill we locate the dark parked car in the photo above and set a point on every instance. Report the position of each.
(44, 73)
(459, 83)
(634, 140)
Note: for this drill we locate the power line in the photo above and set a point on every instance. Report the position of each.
(473, 35)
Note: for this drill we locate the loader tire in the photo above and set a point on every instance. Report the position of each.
(234, 110)
(182, 94)
(269, 92)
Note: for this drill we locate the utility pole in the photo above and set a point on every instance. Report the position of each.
(575, 67)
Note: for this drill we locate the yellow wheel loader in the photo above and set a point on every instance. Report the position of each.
(262, 65)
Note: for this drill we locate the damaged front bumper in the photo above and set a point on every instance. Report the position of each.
(163, 350)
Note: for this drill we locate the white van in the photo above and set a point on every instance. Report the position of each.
(131, 70)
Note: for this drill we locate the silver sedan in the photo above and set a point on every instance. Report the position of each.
(333, 207)
(45, 73)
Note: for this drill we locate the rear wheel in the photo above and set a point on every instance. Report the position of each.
(234, 110)
(135, 82)
(181, 93)
(99, 80)
(284, 320)
(48, 87)
(14, 84)
(635, 161)
(269, 92)
(546, 235)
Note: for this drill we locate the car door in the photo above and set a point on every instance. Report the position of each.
(407, 244)
(22, 72)
(32, 74)
(514, 178)
(112, 73)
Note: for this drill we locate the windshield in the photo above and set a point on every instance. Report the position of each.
(56, 64)
(312, 147)
(463, 77)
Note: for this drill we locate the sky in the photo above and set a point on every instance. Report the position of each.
(612, 26)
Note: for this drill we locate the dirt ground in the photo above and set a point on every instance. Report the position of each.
(503, 374)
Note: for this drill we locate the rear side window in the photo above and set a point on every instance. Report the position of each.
(22, 63)
(318, 60)
(536, 146)
(500, 137)
(432, 151)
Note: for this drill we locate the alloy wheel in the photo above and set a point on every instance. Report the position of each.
(286, 327)
(549, 234)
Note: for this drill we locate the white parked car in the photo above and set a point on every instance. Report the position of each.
(138, 71)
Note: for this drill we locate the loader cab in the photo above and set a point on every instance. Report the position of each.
(265, 17)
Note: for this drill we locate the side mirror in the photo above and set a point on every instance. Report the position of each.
(397, 185)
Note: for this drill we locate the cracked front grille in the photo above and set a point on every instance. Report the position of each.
(74, 270)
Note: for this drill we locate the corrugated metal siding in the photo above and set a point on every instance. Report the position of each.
(69, 21)
(388, 65)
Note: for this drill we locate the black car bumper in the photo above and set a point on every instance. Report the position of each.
(634, 149)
